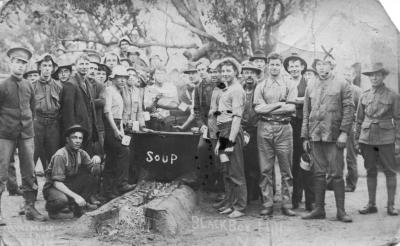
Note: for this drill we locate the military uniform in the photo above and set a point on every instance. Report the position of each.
(378, 128)
(328, 111)
(47, 119)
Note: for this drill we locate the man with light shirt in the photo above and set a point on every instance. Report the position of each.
(274, 133)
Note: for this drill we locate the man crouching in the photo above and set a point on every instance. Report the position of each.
(68, 181)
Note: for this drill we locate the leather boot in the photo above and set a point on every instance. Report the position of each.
(371, 207)
(391, 182)
(319, 211)
(30, 211)
(2, 221)
(338, 188)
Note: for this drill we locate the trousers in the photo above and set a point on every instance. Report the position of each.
(47, 139)
(275, 140)
(83, 184)
(27, 167)
(351, 161)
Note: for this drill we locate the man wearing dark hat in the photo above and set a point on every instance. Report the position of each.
(378, 134)
(249, 124)
(63, 72)
(296, 67)
(327, 121)
(32, 73)
(48, 104)
(274, 133)
(78, 105)
(259, 59)
(70, 181)
(17, 110)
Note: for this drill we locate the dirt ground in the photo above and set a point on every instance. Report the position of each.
(209, 228)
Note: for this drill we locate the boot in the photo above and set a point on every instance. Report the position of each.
(31, 213)
(338, 188)
(319, 211)
(2, 221)
(371, 207)
(391, 183)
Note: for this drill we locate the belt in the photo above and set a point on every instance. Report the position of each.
(46, 120)
(276, 122)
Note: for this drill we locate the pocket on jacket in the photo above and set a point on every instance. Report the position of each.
(332, 101)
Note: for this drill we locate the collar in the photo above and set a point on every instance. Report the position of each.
(41, 80)
(71, 150)
(15, 78)
(377, 89)
(277, 80)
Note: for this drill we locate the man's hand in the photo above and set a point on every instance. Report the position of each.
(342, 140)
(96, 159)
(118, 134)
(180, 128)
(397, 148)
(80, 201)
(306, 146)
(96, 170)
(203, 128)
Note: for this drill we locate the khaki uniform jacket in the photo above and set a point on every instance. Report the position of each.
(378, 117)
(328, 110)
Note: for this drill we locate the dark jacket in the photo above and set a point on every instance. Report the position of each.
(78, 105)
(17, 108)
(99, 101)
(201, 107)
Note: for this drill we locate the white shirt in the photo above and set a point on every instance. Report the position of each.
(114, 104)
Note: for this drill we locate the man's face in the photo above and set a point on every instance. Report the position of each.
(93, 68)
(214, 75)
(309, 76)
(349, 75)
(228, 73)
(159, 76)
(249, 76)
(101, 76)
(32, 77)
(193, 78)
(133, 78)
(46, 68)
(202, 70)
(260, 63)
(376, 79)
(111, 61)
(274, 67)
(324, 68)
(74, 141)
(120, 81)
(295, 67)
(82, 66)
(124, 45)
(64, 74)
(17, 66)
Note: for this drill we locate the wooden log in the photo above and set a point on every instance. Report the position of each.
(169, 215)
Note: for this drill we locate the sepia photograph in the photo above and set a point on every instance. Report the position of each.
(199, 122)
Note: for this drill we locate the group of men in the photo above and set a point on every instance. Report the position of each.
(76, 116)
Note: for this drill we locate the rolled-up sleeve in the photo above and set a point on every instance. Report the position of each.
(107, 100)
(58, 169)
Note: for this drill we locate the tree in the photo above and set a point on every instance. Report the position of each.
(223, 27)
